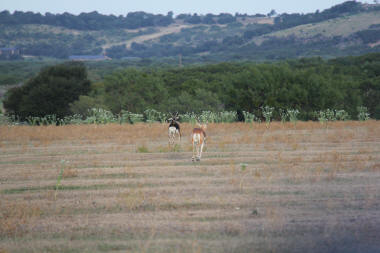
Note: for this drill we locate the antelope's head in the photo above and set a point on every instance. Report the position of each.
(173, 118)
(202, 126)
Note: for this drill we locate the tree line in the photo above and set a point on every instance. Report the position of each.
(133, 20)
(306, 85)
(96, 21)
(87, 21)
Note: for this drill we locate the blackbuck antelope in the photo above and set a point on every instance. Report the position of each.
(198, 138)
(174, 129)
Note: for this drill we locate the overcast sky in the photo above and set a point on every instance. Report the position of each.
(122, 7)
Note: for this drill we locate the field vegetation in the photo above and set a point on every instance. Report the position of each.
(306, 85)
(281, 187)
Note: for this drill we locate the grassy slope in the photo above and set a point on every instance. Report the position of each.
(160, 31)
(282, 189)
(27, 34)
(342, 26)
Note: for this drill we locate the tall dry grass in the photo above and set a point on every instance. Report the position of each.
(127, 133)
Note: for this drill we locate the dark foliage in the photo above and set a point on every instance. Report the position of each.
(50, 92)
(309, 84)
(370, 35)
(96, 21)
(87, 21)
(289, 20)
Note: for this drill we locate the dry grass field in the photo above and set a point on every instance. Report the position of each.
(120, 188)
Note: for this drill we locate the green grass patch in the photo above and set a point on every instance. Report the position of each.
(74, 187)
(142, 149)
(17, 162)
(87, 187)
(272, 193)
(105, 247)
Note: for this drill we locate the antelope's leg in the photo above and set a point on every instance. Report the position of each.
(193, 150)
(200, 153)
(198, 150)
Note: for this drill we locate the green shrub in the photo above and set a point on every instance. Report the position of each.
(83, 105)
(75, 119)
(249, 117)
(342, 115)
(188, 117)
(363, 114)
(46, 120)
(153, 115)
(100, 116)
(142, 149)
(136, 117)
(293, 113)
(124, 117)
(208, 116)
(330, 115)
(227, 116)
(321, 116)
(4, 120)
(284, 115)
(267, 112)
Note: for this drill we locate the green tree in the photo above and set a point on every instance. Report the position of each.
(371, 96)
(50, 92)
(201, 100)
(134, 91)
(83, 105)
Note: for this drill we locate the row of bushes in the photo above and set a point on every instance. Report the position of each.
(308, 85)
(101, 116)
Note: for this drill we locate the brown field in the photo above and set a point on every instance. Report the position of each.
(120, 188)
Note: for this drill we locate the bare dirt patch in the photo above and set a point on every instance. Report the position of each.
(160, 31)
(292, 188)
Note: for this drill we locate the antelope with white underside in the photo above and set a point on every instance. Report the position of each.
(198, 138)
(174, 129)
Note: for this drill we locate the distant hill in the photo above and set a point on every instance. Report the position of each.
(351, 28)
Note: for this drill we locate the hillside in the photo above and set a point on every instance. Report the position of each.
(351, 28)
(344, 26)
